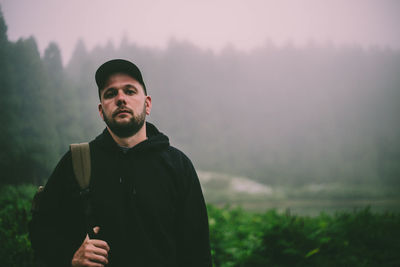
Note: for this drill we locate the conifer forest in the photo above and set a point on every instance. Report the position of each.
(297, 148)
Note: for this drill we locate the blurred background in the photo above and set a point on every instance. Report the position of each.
(279, 104)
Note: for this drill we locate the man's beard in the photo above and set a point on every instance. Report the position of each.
(126, 129)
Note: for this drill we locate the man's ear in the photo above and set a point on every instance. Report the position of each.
(148, 104)
(100, 107)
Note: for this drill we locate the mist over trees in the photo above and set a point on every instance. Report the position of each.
(280, 115)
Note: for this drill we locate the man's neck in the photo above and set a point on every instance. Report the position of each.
(130, 141)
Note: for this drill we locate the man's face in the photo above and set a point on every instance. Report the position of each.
(124, 105)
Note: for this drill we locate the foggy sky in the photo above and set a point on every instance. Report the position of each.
(209, 24)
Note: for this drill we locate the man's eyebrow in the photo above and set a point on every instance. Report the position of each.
(128, 86)
(108, 89)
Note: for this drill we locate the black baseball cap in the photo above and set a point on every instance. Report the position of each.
(116, 66)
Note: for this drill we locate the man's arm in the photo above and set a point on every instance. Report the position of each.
(194, 249)
(56, 229)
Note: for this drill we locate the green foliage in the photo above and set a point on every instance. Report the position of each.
(361, 238)
(242, 238)
(15, 204)
(234, 235)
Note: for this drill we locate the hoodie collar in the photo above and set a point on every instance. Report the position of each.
(155, 140)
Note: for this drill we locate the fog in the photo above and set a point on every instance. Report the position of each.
(282, 101)
(208, 24)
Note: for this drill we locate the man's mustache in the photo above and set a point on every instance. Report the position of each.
(120, 110)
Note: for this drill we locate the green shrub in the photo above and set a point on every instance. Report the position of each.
(361, 238)
(242, 238)
(15, 204)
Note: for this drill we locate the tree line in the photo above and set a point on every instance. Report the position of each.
(320, 113)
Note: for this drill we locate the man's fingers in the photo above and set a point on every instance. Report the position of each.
(96, 229)
(98, 258)
(100, 251)
(100, 244)
(92, 252)
(91, 264)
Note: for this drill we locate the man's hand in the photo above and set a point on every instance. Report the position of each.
(92, 252)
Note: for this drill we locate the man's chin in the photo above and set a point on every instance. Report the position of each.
(122, 121)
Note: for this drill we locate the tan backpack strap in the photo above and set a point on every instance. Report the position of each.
(81, 163)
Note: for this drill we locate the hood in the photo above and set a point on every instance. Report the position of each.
(155, 140)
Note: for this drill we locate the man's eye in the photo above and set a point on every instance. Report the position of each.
(130, 92)
(109, 94)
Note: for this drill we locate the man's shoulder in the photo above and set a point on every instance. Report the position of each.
(65, 163)
(176, 154)
(174, 151)
(61, 179)
(178, 161)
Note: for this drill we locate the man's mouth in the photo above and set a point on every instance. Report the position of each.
(122, 111)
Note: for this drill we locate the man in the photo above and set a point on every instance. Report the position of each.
(146, 204)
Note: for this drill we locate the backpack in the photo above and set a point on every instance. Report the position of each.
(80, 154)
(81, 165)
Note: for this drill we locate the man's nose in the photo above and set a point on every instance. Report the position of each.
(120, 98)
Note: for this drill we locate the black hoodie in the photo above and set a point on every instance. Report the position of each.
(147, 201)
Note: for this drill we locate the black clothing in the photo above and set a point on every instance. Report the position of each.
(147, 202)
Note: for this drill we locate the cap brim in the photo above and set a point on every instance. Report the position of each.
(117, 66)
